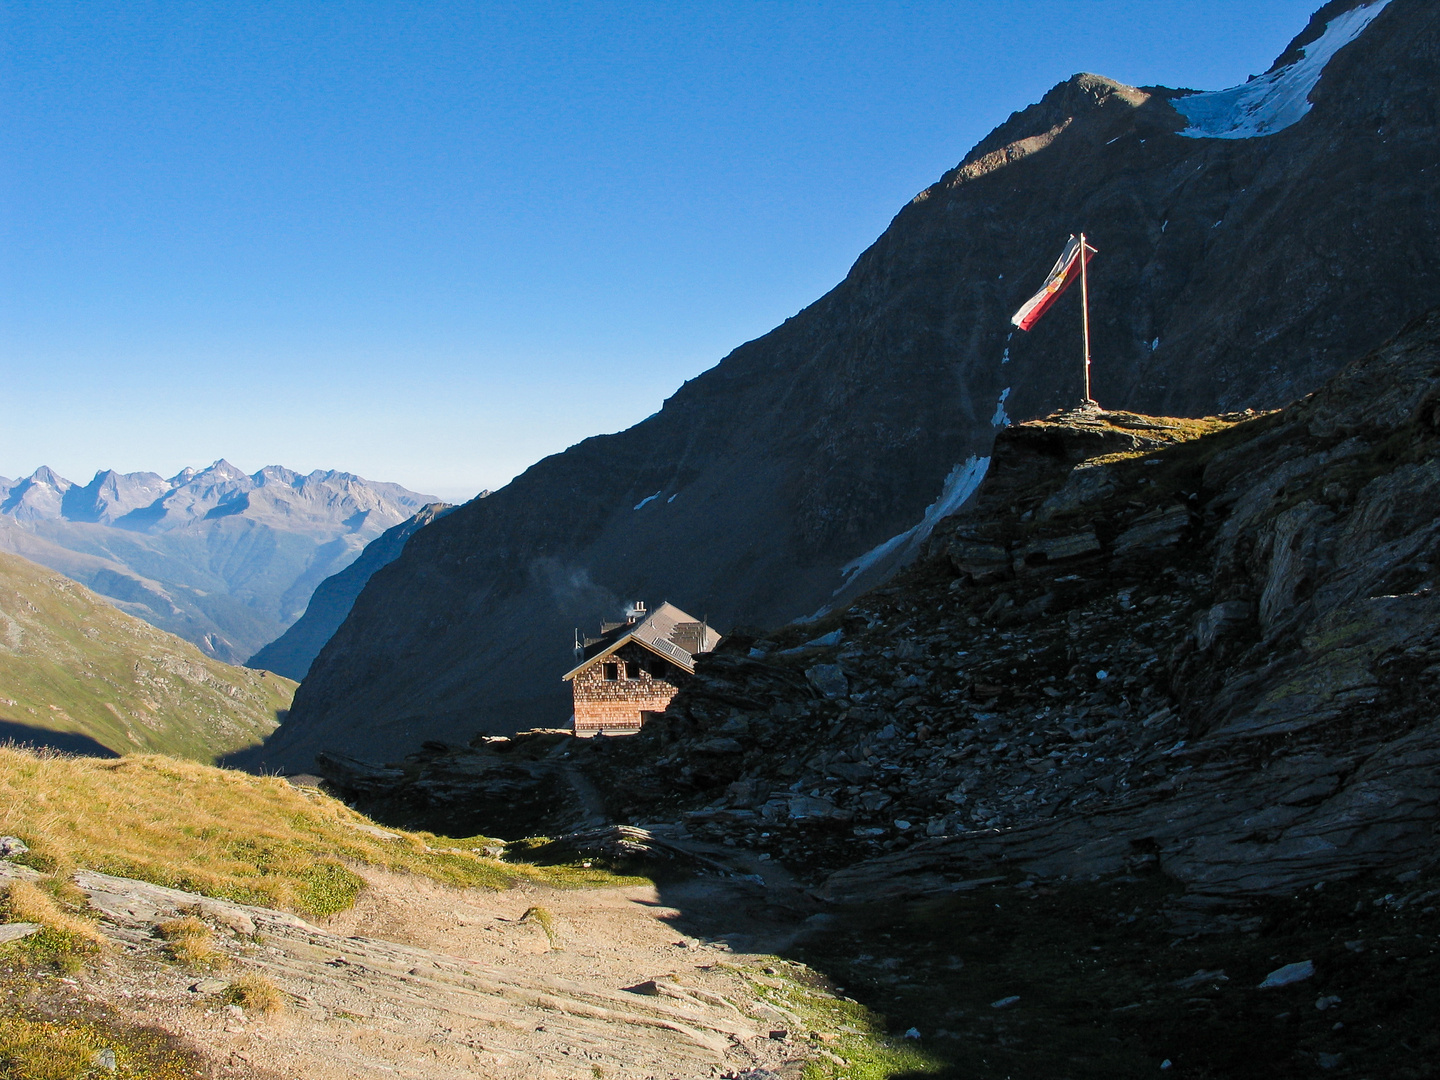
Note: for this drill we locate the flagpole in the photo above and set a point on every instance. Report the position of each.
(1085, 314)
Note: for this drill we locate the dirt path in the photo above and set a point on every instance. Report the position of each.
(591, 801)
(420, 980)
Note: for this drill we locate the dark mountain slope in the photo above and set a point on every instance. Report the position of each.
(1152, 717)
(1216, 656)
(1233, 272)
(293, 651)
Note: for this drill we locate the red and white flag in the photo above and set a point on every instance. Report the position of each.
(1059, 280)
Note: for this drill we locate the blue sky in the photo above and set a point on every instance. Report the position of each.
(434, 242)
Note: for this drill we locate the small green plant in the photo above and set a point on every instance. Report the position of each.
(42, 1050)
(256, 993)
(545, 920)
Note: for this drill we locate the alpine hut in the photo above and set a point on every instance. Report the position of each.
(635, 667)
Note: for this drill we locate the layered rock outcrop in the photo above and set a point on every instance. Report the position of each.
(1216, 655)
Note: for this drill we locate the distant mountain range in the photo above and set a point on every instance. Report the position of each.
(1251, 241)
(226, 560)
(293, 651)
(80, 676)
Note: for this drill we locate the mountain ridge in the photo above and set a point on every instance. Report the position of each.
(220, 557)
(805, 449)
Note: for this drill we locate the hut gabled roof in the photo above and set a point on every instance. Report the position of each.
(667, 632)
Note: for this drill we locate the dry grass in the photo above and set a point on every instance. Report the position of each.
(256, 993)
(546, 921)
(227, 834)
(190, 942)
(24, 901)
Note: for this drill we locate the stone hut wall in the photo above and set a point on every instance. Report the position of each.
(611, 695)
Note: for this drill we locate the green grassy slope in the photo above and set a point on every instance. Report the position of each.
(76, 672)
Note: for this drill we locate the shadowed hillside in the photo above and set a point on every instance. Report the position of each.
(293, 651)
(1233, 272)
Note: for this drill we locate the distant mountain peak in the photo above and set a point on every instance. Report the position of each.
(223, 469)
(48, 476)
(271, 473)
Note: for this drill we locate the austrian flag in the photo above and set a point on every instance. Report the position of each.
(1058, 281)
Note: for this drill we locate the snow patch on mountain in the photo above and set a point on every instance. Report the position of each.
(1273, 102)
(1000, 419)
(959, 486)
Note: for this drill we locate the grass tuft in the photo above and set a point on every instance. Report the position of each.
(255, 993)
(545, 919)
(191, 942)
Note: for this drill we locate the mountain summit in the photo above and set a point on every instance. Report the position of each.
(1248, 246)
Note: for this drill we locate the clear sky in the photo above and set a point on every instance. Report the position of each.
(432, 242)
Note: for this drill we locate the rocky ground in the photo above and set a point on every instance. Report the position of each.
(1214, 654)
(425, 981)
(1171, 685)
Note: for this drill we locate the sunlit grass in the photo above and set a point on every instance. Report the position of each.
(849, 1041)
(256, 993)
(226, 834)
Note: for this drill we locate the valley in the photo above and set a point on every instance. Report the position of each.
(223, 559)
(984, 732)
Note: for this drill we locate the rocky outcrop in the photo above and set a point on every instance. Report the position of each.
(505, 787)
(514, 1011)
(292, 653)
(1216, 655)
(1233, 273)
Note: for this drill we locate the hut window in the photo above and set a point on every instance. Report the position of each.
(612, 672)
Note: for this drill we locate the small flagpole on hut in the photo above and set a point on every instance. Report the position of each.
(1085, 313)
